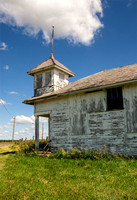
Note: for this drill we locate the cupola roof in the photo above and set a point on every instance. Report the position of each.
(48, 64)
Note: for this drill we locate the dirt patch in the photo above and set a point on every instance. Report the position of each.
(5, 147)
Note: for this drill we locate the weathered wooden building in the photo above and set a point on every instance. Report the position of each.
(97, 110)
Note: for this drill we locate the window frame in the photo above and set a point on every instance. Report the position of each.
(114, 98)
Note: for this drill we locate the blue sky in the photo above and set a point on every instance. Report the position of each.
(108, 39)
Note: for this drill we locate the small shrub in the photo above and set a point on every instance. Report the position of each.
(28, 146)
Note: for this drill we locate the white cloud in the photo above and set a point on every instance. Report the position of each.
(13, 92)
(26, 130)
(75, 20)
(43, 120)
(25, 133)
(3, 46)
(23, 119)
(6, 131)
(6, 67)
(21, 131)
(2, 102)
(7, 126)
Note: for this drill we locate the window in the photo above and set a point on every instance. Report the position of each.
(61, 76)
(39, 81)
(47, 78)
(114, 98)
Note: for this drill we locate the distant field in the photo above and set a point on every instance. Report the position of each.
(6, 141)
(35, 178)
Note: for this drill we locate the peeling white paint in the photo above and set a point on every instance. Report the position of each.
(82, 120)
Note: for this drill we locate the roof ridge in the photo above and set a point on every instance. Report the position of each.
(38, 65)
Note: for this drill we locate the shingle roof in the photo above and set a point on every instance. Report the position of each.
(51, 62)
(102, 79)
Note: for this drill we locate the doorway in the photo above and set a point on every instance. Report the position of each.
(44, 127)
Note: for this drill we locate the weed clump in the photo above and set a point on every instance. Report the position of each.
(84, 153)
(28, 146)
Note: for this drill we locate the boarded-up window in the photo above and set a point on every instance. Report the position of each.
(61, 76)
(47, 78)
(114, 98)
(39, 81)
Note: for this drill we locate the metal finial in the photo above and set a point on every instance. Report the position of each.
(52, 39)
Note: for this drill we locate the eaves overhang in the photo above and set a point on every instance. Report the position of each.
(33, 100)
(71, 74)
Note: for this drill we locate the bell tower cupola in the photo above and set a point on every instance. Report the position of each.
(50, 75)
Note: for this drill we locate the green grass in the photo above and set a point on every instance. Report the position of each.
(4, 151)
(32, 177)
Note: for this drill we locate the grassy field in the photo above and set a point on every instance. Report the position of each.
(33, 177)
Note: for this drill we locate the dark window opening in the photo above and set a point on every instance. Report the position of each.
(114, 98)
(47, 78)
(39, 81)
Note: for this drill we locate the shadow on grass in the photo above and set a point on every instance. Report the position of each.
(8, 152)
